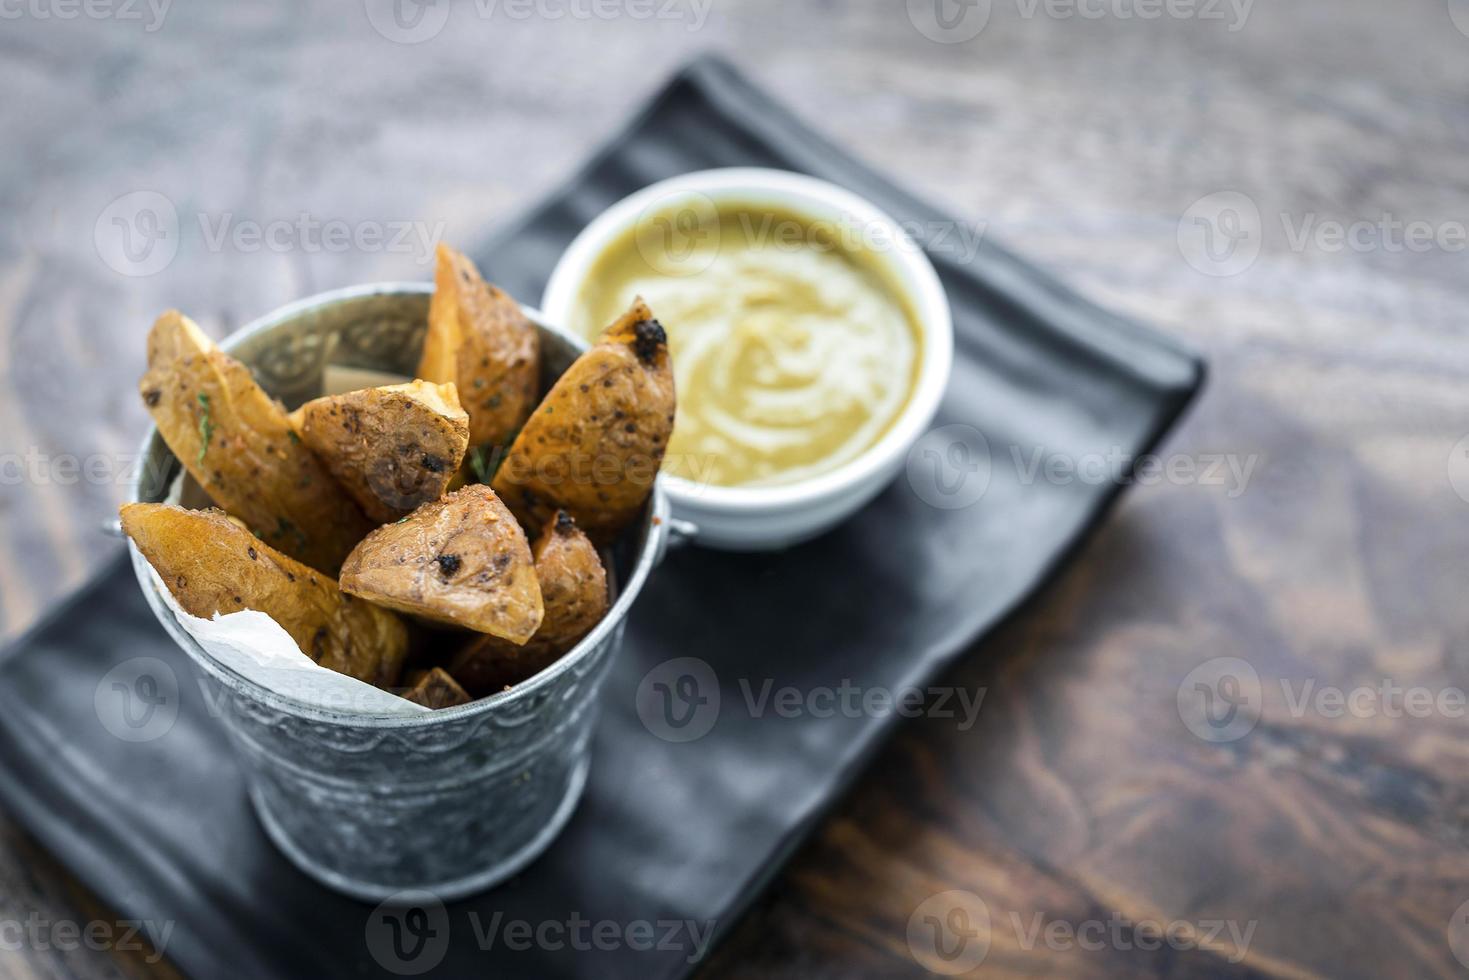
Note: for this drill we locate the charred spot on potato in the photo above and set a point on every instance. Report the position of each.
(432, 463)
(151, 397)
(649, 336)
(565, 523)
(448, 565)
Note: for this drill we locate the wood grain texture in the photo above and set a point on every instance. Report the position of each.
(1079, 796)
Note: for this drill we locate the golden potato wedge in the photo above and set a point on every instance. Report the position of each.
(461, 560)
(213, 564)
(594, 446)
(573, 584)
(479, 339)
(393, 448)
(574, 593)
(239, 445)
(435, 689)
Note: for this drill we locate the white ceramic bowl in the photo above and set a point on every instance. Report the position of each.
(765, 517)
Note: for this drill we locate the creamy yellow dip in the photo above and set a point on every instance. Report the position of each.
(791, 352)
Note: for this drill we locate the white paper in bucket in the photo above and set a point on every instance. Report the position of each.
(256, 646)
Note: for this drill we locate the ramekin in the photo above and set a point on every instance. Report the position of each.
(757, 518)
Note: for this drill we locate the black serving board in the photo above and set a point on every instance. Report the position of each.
(669, 832)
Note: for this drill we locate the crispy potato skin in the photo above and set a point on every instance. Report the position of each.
(212, 564)
(239, 445)
(479, 339)
(393, 448)
(594, 446)
(461, 560)
(574, 591)
(436, 689)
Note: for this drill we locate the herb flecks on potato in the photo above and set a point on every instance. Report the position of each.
(393, 448)
(213, 565)
(461, 560)
(574, 592)
(239, 445)
(479, 339)
(435, 689)
(595, 444)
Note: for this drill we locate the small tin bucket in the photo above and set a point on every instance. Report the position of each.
(452, 801)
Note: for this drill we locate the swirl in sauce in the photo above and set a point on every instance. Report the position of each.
(791, 354)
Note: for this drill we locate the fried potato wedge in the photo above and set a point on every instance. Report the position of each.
(573, 584)
(461, 560)
(479, 339)
(212, 564)
(594, 446)
(435, 689)
(574, 592)
(238, 444)
(393, 448)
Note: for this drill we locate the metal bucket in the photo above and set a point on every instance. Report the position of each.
(452, 801)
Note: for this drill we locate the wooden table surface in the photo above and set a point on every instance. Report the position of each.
(1081, 808)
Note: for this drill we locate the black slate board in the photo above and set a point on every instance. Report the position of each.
(669, 832)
